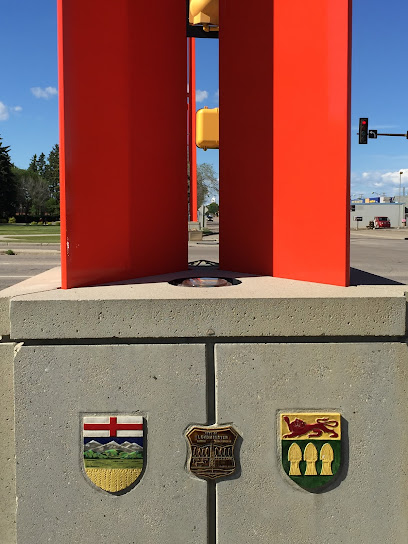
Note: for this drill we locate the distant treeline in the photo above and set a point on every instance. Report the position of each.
(33, 193)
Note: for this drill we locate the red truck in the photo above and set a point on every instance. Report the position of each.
(381, 223)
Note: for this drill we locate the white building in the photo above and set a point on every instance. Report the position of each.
(367, 211)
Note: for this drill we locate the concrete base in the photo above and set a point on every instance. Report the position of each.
(194, 231)
(194, 225)
(366, 383)
(7, 451)
(195, 235)
(181, 356)
(55, 385)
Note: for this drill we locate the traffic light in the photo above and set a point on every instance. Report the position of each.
(372, 134)
(363, 130)
(204, 12)
(208, 128)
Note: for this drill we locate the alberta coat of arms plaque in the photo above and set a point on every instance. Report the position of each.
(113, 450)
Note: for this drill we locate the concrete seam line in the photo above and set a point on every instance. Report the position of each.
(211, 419)
(214, 340)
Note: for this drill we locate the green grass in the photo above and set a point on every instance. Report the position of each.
(32, 239)
(29, 229)
(113, 463)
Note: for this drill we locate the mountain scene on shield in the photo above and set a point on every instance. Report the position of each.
(126, 455)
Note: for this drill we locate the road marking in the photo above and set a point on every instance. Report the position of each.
(16, 276)
(21, 263)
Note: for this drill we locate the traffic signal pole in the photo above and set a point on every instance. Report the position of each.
(364, 133)
(405, 135)
(192, 153)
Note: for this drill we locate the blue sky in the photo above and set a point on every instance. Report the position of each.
(29, 86)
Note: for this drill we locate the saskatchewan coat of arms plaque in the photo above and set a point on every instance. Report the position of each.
(311, 447)
(113, 450)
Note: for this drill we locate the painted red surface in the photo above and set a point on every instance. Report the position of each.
(311, 140)
(284, 138)
(246, 78)
(123, 73)
(192, 128)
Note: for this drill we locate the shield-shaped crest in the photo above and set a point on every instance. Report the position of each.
(311, 447)
(211, 452)
(113, 450)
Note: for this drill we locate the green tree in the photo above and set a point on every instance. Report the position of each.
(41, 164)
(40, 199)
(52, 176)
(207, 181)
(33, 166)
(111, 453)
(52, 207)
(32, 192)
(213, 208)
(8, 189)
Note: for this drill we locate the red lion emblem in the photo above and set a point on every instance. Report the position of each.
(298, 427)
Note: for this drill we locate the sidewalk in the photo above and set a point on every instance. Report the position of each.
(390, 234)
(18, 247)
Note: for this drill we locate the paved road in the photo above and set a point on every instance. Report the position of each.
(383, 261)
(16, 268)
(377, 257)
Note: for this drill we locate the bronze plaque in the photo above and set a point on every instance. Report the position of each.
(212, 452)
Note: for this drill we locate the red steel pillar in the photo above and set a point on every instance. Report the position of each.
(285, 105)
(192, 128)
(123, 165)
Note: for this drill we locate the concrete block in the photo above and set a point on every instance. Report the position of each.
(194, 225)
(195, 235)
(51, 279)
(263, 307)
(367, 383)
(54, 386)
(7, 450)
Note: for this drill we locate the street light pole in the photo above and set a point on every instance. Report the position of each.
(399, 201)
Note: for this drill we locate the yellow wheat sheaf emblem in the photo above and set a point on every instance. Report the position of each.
(113, 450)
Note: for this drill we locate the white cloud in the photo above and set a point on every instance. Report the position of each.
(44, 92)
(384, 182)
(201, 95)
(4, 112)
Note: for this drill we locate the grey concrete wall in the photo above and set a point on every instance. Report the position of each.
(192, 356)
(269, 307)
(47, 281)
(7, 450)
(367, 384)
(54, 386)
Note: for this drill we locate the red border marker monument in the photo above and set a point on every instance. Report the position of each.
(284, 133)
